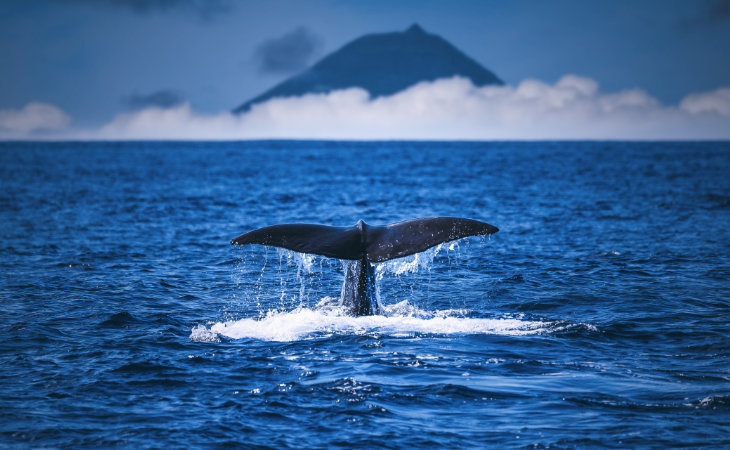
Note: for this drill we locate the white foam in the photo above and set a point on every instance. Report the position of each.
(203, 334)
(400, 319)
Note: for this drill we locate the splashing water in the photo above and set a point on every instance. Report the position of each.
(399, 320)
(304, 263)
(328, 317)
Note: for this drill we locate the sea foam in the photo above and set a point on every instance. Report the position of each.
(401, 319)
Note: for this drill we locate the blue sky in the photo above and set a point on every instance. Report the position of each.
(96, 58)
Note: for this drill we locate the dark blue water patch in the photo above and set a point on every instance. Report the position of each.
(596, 317)
(119, 320)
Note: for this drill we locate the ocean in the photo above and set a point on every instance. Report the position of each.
(596, 317)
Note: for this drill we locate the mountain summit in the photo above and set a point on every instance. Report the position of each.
(382, 64)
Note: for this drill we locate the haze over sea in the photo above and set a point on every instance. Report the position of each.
(597, 316)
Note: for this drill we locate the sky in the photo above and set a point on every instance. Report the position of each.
(116, 69)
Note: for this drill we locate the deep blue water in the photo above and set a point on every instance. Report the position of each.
(597, 316)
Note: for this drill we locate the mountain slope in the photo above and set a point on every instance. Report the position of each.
(382, 64)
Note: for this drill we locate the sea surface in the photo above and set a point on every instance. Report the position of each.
(598, 316)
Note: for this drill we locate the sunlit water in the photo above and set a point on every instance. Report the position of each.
(597, 316)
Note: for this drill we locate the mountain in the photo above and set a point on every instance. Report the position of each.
(382, 64)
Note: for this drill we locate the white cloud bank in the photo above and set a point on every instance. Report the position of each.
(453, 109)
(34, 119)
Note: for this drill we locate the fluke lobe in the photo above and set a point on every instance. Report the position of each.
(365, 244)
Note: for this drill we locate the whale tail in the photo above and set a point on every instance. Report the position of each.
(362, 241)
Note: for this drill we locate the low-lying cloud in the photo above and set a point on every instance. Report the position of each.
(572, 108)
(708, 102)
(447, 109)
(35, 119)
(288, 53)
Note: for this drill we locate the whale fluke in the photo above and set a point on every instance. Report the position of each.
(334, 242)
(376, 243)
(365, 244)
(414, 236)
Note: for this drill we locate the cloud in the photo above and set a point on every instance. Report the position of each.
(34, 119)
(164, 98)
(449, 109)
(718, 11)
(572, 108)
(712, 12)
(717, 101)
(205, 8)
(288, 53)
